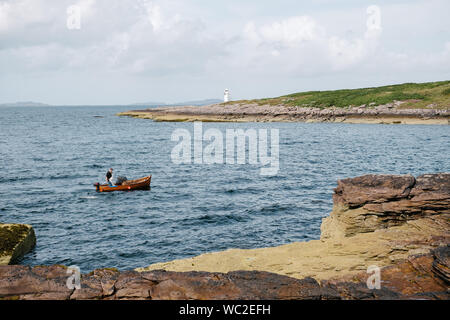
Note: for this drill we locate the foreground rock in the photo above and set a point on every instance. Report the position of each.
(391, 113)
(15, 241)
(376, 220)
(419, 277)
(21, 282)
(372, 202)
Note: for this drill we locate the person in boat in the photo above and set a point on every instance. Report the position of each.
(109, 177)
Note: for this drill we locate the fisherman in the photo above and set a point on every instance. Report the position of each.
(109, 177)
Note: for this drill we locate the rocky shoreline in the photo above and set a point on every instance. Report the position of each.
(391, 113)
(397, 223)
(424, 277)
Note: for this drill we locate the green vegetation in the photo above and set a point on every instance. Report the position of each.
(10, 236)
(416, 95)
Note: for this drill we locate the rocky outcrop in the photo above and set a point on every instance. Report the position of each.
(21, 282)
(371, 202)
(411, 279)
(15, 241)
(391, 113)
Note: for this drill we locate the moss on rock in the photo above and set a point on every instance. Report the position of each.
(15, 241)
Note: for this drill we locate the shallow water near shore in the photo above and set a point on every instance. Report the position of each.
(51, 156)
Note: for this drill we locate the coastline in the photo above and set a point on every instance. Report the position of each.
(397, 224)
(392, 113)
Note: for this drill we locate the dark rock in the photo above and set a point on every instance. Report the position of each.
(22, 282)
(99, 284)
(414, 278)
(441, 263)
(36, 283)
(355, 192)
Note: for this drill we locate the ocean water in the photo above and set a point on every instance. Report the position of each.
(51, 156)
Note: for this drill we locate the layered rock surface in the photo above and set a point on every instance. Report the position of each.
(418, 277)
(372, 202)
(243, 111)
(15, 241)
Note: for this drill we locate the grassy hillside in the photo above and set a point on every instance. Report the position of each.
(417, 95)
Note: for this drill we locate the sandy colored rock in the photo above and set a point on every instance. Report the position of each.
(15, 241)
(325, 259)
(372, 202)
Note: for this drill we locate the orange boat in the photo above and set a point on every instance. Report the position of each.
(129, 185)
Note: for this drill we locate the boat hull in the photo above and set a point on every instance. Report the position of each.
(129, 185)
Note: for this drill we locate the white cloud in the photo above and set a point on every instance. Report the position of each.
(87, 7)
(4, 15)
(346, 53)
(155, 16)
(292, 31)
(21, 14)
(300, 45)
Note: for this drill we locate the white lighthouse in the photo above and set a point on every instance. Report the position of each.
(226, 95)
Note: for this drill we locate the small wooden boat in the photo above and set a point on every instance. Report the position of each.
(129, 185)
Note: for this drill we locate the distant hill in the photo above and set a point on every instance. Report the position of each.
(24, 104)
(146, 104)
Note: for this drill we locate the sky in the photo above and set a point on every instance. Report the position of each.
(102, 52)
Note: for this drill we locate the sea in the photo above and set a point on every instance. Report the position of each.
(50, 157)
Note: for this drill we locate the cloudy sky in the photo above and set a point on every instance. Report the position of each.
(176, 50)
